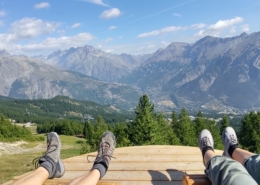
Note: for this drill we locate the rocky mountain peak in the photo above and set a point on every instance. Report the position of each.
(4, 53)
(244, 34)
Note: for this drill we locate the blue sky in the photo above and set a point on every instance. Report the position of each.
(120, 26)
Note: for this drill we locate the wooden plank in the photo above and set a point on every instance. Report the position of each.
(199, 179)
(140, 166)
(132, 175)
(65, 182)
(145, 151)
(136, 158)
(55, 182)
(9, 182)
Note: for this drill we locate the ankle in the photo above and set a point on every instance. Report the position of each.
(208, 156)
(101, 168)
(205, 149)
(232, 148)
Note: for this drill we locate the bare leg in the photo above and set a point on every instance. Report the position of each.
(50, 164)
(240, 155)
(208, 156)
(35, 178)
(90, 179)
(106, 148)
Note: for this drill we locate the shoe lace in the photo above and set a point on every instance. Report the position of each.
(233, 139)
(205, 141)
(36, 160)
(105, 148)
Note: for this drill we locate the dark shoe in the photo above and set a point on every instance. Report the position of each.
(51, 160)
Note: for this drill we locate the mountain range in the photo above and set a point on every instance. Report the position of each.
(28, 78)
(212, 73)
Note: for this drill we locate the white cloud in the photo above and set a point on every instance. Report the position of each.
(148, 34)
(198, 26)
(111, 13)
(145, 48)
(2, 23)
(99, 46)
(108, 40)
(31, 27)
(177, 15)
(110, 50)
(120, 37)
(217, 28)
(232, 30)
(164, 44)
(42, 5)
(76, 25)
(112, 27)
(61, 32)
(162, 31)
(98, 2)
(245, 28)
(52, 44)
(2, 13)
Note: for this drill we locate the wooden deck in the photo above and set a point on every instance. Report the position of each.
(139, 165)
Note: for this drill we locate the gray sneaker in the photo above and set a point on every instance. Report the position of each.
(229, 138)
(106, 148)
(51, 160)
(205, 141)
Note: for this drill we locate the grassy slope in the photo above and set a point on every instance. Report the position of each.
(18, 164)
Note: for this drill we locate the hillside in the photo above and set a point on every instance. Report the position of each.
(211, 72)
(60, 107)
(28, 78)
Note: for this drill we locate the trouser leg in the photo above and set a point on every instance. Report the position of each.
(222, 170)
(252, 165)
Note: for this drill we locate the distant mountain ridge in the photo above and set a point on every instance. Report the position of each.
(94, 62)
(28, 78)
(222, 69)
(214, 73)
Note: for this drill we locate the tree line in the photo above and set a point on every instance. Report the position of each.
(150, 128)
(11, 132)
(60, 107)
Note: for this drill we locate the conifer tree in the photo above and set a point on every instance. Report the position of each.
(184, 130)
(249, 136)
(224, 123)
(88, 133)
(140, 131)
(99, 128)
(121, 133)
(199, 123)
(214, 130)
(174, 120)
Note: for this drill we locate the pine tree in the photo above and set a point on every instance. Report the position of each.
(140, 131)
(174, 120)
(88, 133)
(199, 123)
(249, 132)
(184, 130)
(214, 130)
(121, 133)
(224, 123)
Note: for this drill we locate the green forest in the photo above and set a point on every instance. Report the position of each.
(60, 107)
(147, 128)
